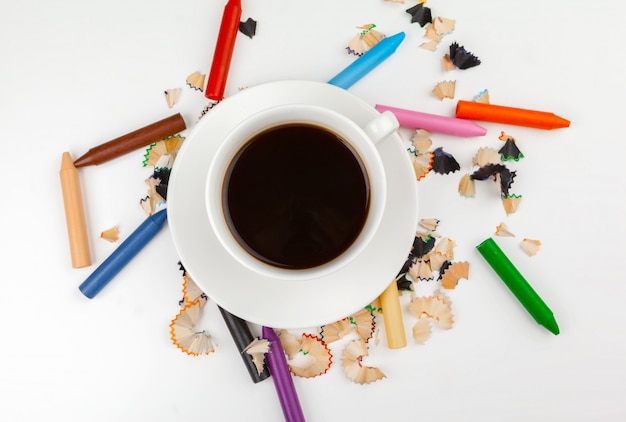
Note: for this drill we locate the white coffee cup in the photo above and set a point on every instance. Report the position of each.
(360, 139)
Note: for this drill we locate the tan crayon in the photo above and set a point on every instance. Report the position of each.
(392, 316)
(74, 213)
(131, 141)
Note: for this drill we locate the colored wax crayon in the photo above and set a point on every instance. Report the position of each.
(123, 254)
(434, 123)
(242, 336)
(283, 382)
(518, 285)
(368, 61)
(74, 213)
(223, 53)
(509, 115)
(392, 316)
(131, 141)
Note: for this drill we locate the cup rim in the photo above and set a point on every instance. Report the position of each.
(276, 116)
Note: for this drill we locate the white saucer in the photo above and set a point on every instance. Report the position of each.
(280, 303)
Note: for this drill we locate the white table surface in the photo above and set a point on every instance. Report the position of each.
(75, 74)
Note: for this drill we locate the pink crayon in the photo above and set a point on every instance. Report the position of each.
(434, 123)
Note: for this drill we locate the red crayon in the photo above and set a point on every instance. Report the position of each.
(223, 50)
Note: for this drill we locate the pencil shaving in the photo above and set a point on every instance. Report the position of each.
(319, 358)
(443, 26)
(509, 150)
(112, 235)
(444, 89)
(361, 323)
(184, 334)
(452, 273)
(486, 156)
(429, 224)
(446, 247)
(172, 96)
(511, 203)
(421, 141)
(482, 97)
(467, 187)
(196, 81)
(421, 270)
(503, 230)
(422, 330)
(430, 310)
(367, 38)
(162, 154)
(257, 350)
(530, 246)
(352, 361)
(191, 291)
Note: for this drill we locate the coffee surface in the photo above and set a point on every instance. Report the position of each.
(296, 196)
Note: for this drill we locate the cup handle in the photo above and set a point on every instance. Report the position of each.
(382, 126)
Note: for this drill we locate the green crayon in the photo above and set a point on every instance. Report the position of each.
(523, 291)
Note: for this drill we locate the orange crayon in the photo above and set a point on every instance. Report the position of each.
(74, 213)
(509, 115)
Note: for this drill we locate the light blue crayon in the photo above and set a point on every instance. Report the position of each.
(368, 61)
(123, 254)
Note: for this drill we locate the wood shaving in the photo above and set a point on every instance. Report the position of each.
(422, 330)
(367, 38)
(361, 322)
(257, 349)
(436, 307)
(429, 45)
(162, 154)
(353, 366)
(511, 203)
(502, 230)
(290, 343)
(482, 97)
(422, 164)
(451, 274)
(112, 234)
(196, 81)
(446, 247)
(444, 89)
(335, 330)
(319, 357)
(184, 334)
(421, 270)
(530, 246)
(421, 141)
(150, 202)
(431, 225)
(467, 186)
(446, 63)
(191, 291)
(486, 156)
(443, 26)
(172, 96)
(436, 259)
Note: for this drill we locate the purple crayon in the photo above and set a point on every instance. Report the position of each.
(434, 123)
(283, 382)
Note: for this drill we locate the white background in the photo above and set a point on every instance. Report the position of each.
(74, 74)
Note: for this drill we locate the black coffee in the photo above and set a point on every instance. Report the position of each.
(296, 196)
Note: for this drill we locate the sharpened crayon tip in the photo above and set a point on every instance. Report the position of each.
(552, 326)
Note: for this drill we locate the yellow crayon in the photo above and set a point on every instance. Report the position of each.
(392, 316)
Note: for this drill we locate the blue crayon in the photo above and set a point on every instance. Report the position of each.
(123, 254)
(368, 61)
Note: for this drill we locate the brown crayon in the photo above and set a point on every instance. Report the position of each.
(74, 213)
(132, 141)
